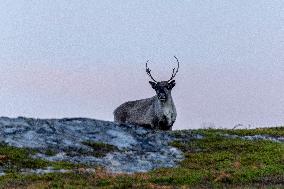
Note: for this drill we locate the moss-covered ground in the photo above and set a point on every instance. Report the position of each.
(213, 161)
(100, 149)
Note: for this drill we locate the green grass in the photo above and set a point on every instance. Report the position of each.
(14, 159)
(276, 131)
(233, 161)
(100, 149)
(273, 131)
(211, 162)
(49, 152)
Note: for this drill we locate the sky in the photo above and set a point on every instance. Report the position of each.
(67, 58)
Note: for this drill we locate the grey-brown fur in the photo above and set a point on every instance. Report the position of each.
(151, 112)
(158, 112)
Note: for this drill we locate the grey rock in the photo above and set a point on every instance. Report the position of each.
(258, 137)
(139, 149)
(44, 171)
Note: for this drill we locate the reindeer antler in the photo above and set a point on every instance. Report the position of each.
(148, 71)
(175, 71)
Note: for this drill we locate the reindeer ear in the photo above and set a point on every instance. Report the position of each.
(172, 84)
(153, 84)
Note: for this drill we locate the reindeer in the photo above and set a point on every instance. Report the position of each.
(157, 112)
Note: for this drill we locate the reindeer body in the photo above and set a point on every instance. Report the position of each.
(158, 112)
(149, 113)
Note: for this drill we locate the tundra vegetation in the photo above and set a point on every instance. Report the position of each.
(212, 161)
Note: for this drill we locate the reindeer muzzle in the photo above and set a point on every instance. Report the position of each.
(162, 97)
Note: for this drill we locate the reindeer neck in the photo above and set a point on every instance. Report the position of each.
(169, 101)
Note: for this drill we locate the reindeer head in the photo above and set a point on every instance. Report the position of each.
(163, 88)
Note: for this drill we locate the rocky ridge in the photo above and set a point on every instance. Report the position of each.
(117, 148)
(135, 149)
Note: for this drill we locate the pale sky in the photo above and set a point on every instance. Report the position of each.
(67, 58)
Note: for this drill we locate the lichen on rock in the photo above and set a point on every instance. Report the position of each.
(133, 149)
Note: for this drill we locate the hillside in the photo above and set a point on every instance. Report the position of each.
(87, 153)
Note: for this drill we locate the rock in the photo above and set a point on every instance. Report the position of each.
(44, 171)
(137, 149)
(258, 137)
